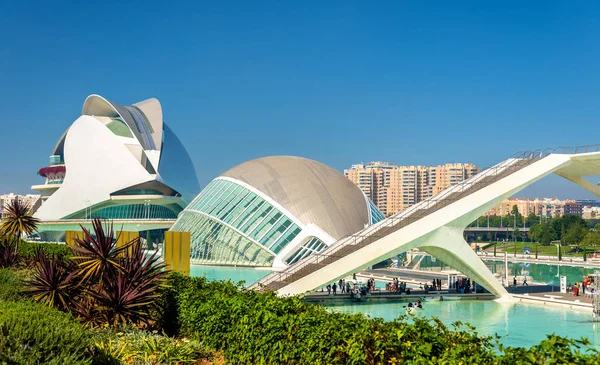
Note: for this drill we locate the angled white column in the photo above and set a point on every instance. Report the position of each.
(449, 245)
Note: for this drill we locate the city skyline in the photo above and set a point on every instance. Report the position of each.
(466, 82)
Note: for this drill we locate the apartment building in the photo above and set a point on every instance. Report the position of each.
(547, 207)
(31, 200)
(394, 188)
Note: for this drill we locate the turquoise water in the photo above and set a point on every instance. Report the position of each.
(235, 274)
(540, 273)
(518, 324)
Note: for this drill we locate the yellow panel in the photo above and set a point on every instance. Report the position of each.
(184, 265)
(176, 250)
(168, 250)
(124, 237)
(70, 237)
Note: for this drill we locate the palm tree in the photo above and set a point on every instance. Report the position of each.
(18, 219)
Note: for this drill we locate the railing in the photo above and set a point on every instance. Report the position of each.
(349, 244)
(74, 220)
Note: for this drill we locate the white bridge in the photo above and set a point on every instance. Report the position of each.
(436, 225)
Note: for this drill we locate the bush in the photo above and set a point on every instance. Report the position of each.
(261, 328)
(34, 334)
(143, 348)
(11, 285)
(29, 250)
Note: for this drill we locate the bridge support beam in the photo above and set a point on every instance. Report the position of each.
(448, 245)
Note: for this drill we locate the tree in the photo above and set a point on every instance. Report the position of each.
(574, 235)
(532, 220)
(18, 219)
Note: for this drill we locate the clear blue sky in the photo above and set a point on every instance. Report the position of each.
(339, 82)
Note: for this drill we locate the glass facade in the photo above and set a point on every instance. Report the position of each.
(143, 127)
(134, 211)
(217, 244)
(119, 128)
(247, 212)
(230, 204)
(376, 215)
(313, 245)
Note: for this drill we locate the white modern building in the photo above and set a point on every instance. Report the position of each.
(273, 212)
(117, 162)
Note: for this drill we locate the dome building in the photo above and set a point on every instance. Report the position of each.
(273, 211)
(117, 162)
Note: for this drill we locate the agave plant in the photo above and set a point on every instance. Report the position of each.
(54, 282)
(17, 220)
(9, 251)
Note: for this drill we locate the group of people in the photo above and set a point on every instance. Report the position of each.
(436, 285)
(397, 286)
(462, 285)
(580, 288)
(349, 287)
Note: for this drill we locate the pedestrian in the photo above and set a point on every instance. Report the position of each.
(334, 287)
(328, 289)
(525, 281)
(515, 282)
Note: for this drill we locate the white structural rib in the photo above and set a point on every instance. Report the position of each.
(436, 225)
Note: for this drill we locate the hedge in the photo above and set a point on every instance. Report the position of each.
(256, 328)
(32, 333)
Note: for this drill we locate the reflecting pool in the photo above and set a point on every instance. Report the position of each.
(518, 324)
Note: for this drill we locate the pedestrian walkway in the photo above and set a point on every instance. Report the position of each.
(551, 295)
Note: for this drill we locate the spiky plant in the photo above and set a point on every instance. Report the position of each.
(18, 219)
(54, 282)
(128, 294)
(98, 254)
(9, 251)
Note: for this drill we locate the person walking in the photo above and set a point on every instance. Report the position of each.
(525, 281)
(515, 282)
(328, 289)
(334, 287)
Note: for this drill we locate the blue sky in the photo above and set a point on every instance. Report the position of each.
(339, 82)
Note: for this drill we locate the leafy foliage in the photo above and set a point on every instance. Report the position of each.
(11, 285)
(261, 328)
(132, 346)
(34, 334)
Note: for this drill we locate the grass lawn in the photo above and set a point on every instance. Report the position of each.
(567, 251)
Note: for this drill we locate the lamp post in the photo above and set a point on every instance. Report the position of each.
(147, 208)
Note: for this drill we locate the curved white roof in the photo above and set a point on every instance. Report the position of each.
(311, 191)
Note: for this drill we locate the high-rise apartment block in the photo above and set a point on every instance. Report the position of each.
(394, 188)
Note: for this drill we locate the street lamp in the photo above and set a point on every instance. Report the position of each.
(147, 208)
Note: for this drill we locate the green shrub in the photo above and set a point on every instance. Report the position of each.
(29, 250)
(34, 334)
(143, 348)
(11, 285)
(261, 328)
